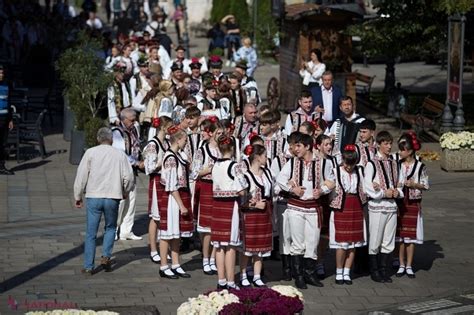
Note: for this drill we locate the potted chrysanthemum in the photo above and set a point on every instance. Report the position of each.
(458, 151)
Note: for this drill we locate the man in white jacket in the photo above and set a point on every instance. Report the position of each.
(106, 177)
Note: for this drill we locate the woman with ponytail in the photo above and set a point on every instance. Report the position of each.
(256, 212)
(410, 221)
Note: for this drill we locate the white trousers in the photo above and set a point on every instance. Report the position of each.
(126, 214)
(304, 233)
(283, 228)
(382, 228)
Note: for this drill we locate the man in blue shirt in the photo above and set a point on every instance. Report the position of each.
(6, 121)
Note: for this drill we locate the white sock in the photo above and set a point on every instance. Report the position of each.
(231, 284)
(212, 263)
(205, 261)
(347, 271)
(339, 274)
(257, 280)
(222, 281)
(409, 270)
(154, 255)
(401, 269)
(167, 270)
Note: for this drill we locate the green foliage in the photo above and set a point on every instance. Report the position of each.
(86, 82)
(217, 52)
(220, 8)
(90, 128)
(454, 6)
(266, 26)
(238, 8)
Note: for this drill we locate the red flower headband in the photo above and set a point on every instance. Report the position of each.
(414, 141)
(248, 150)
(225, 140)
(213, 119)
(155, 122)
(231, 127)
(173, 129)
(252, 135)
(350, 147)
(214, 58)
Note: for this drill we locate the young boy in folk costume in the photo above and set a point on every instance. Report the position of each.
(302, 178)
(382, 184)
(280, 206)
(191, 122)
(153, 154)
(302, 114)
(323, 151)
(366, 147)
(203, 162)
(176, 219)
(256, 212)
(410, 222)
(227, 182)
(347, 226)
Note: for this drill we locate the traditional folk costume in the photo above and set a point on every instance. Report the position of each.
(243, 128)
(127, 141)
(410, 220)
(210, 108)
(366, 152)
(153, 155)
(251, 89)
(326, 214)
(238, 99)
(296, 118)
(206, 156)
(382, 213)
(256, 224)
(174, 177)
(227, 182)
(347, 226)
(119, 96)
(303, 215)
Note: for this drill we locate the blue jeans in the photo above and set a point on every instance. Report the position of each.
(95, 208)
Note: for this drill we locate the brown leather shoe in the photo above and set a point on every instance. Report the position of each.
(87, 272)
(106, 263)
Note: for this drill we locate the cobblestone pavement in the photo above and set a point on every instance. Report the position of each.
(42, 250)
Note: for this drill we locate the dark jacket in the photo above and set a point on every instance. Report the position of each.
(336, 96)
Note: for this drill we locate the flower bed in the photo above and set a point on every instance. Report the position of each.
(276, 300)
(72, 312)
(458, 154)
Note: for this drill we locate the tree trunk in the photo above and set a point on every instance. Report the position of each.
(389, 75)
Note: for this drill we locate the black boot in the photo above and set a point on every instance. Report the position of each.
(275, 252)
(374, 269)
(310, 273)
(384, 258)
(286, 267)
(361, 260)
(297, 271)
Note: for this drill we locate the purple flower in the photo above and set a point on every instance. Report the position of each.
(234, 309)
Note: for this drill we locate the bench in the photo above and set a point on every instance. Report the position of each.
(427, 118)
(363, 86)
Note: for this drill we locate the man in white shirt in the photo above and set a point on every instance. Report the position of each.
(106, 177)
(326, 98)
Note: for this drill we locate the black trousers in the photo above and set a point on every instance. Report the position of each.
(3, 139)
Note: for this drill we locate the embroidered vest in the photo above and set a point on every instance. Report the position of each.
(388, 178)
(208, 159)
(365, 153)
(314, 173)
(222, 179)
(160, 146)
(415, 174)
(256, 189)
(339, 195)
(297, 119)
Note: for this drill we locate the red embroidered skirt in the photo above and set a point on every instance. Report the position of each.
(407, 221)
(153, 183)
(349, 223)
(256, 230)
(326, 215)
(203, 203)
(221, 223)
(185, 221)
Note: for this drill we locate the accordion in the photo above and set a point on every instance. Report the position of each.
(346, 133)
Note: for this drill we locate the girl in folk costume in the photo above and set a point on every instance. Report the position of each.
(203, 163)
(323, 151)
(161, 103)
(253, 139)
(256, 215)
(280, 205)
(229, 128)
(176, 219)
(227, 182)
(302, 178)
(153, 154)
(347, 224)
(410, 221)
(397, 157)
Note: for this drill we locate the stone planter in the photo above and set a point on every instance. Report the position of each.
(457, 160)
(77, 146)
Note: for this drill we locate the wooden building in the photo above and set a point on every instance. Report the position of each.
(308, 26)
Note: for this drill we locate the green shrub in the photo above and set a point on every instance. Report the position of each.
(90, 128)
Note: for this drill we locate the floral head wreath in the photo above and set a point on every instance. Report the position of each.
(213, 119)
(350, 148)
(248, 149)
(173, 129)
